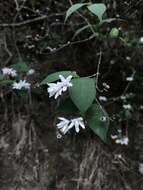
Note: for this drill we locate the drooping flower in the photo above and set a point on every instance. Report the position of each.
(127, 106)
(65, 125)
(122, 141)
(9, 71)
(77, 123)
(21, 84)
(56, 89)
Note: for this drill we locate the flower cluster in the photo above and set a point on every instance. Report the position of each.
(6, 71)
(65, 125)
(22, 84)
(56, 89)
(120, 140)
(127, 106)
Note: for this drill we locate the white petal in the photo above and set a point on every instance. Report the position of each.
(71, 125)
(68, 79)
(62, 78)
(82, 124)
(63, 119)
(65, 130)
(56, 95)
(64, 88)
(77, 126)
(118, 141)
(114, 136)
(62, 124)
(70, 84)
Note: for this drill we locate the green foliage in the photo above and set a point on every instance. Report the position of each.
(20, 67)
(4, 81)
(1, 77)
(97, 9)
(81, 30)
(98, 121)
(73, 9)
(83, 93)
(67, 106)
(55, 76)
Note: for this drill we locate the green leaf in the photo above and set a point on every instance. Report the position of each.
(81, 30)
(98, 121)
(82, 93)
(20, 67)
(73, 9)
(6, 82)
(67, 107)
(97, 9)
(22, 93)
(1, 77)
(55, 76)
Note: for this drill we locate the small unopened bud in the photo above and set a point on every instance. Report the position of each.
(114, 33)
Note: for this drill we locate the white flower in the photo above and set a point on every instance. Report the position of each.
(128, 107)
(122, 141)
(63, 125)
(123, 97)
(56, 89)
(106, 85)
(119, 131)
(141, 168)
(77, 123)
(114, 136)
(141, 40)
(129, 79)
(65, 82)
(31, 72)
(102, 98)
(9, 71)
(21, 84)
(125, 140)
(128, 58)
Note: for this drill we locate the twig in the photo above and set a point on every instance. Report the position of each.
(24, 22)
(7, 50)
(69, 44)
(129, 83)
(98, 69)
(17, 5)
(13, 27)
